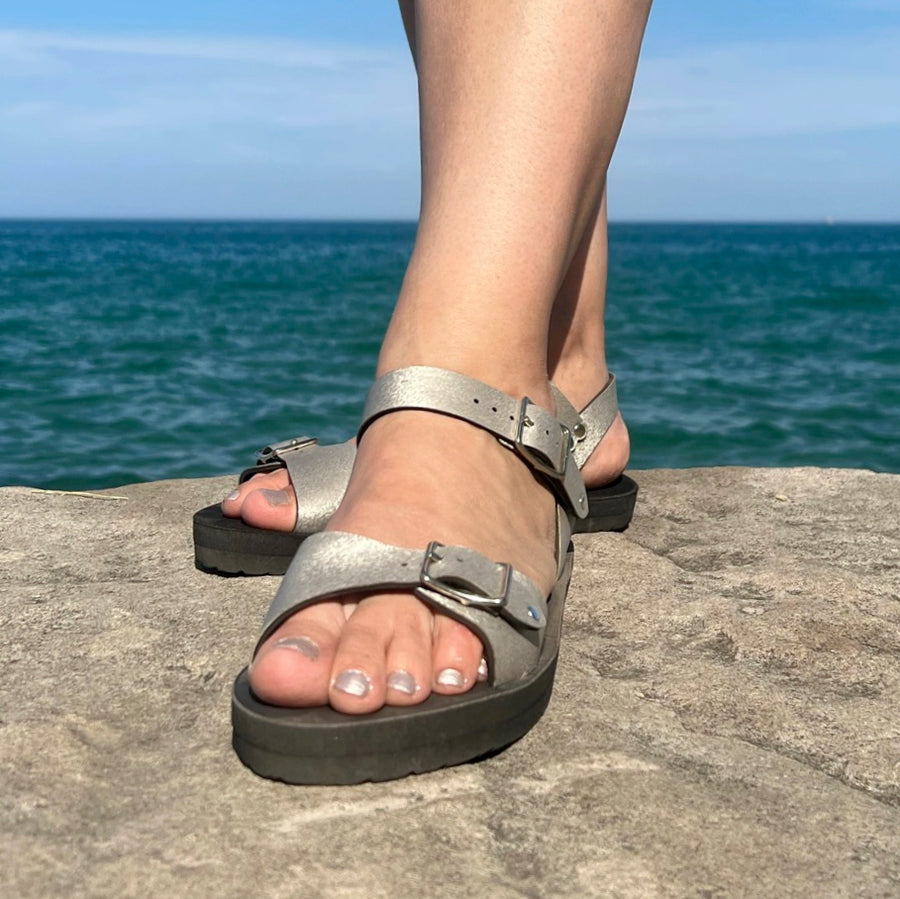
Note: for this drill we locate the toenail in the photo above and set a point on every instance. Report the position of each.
(352, 682)
(402, 682)
(482, 669)
(303, 645)
(275, 497)
(235, 494)
(450, 677)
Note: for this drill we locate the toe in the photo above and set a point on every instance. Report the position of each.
(359, 677)
(233, 504)
(408, 662)
(293, 667)
(456, 655)
(270, 508)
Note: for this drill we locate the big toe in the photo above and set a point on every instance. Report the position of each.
(293, 667)
(270, 508)
(233, 504)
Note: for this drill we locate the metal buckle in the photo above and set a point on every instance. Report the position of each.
(272, 452)
(466, 597)
(540, 462)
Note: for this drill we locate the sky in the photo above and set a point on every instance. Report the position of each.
(743, 110)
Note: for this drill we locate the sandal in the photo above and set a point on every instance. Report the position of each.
(518, 625)
(229, 546)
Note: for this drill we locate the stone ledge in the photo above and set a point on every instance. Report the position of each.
(725, 719)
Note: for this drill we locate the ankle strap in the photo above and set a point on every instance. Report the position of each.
(531, 431)
(589, 426)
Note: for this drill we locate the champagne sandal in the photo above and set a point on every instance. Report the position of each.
(518, 625)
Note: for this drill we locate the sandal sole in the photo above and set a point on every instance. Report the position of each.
(322, 746)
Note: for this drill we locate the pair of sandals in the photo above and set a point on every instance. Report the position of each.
(518, 625)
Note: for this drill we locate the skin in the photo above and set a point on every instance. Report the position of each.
(521, 103)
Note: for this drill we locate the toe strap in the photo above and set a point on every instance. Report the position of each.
(503, 606)
(319, 473)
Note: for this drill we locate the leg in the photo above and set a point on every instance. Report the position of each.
(521, 105)
(577, 351)
(576, 362)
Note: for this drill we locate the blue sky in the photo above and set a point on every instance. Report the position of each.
(742, 110)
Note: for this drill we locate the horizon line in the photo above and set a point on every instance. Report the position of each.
(824, 221)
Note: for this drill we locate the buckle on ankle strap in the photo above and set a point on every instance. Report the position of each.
(547, 453)
(441, 583)
(274, 451)
(551, 453)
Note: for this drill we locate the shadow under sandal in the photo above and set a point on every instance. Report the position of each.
(518, 625)
(228, 546)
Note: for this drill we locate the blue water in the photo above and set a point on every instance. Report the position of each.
(139, 351)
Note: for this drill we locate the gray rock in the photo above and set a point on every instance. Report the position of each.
(725, 720)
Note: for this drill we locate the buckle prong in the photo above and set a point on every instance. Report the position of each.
(465, 597)
(271, 452)
(538, 461)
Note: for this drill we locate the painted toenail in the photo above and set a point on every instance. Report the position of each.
(402, 682)
(450, 677)
(235, 494)
(275, 497)
(303, 645)
(353, 683)
(482, 669)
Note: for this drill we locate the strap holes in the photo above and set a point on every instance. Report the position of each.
(476, 400)
(493, 408)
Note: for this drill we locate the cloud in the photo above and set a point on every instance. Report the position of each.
(879, 6)
(195, 125)
(187, 124)
(98, 88)
(769, 88)
(24, 44)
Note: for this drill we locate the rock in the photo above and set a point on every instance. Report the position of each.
(725, 720)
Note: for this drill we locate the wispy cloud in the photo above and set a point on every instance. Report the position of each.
(95, 87)
(317, 128)
(770, 89)
(879, 6)
(19, 44)
(206, 125)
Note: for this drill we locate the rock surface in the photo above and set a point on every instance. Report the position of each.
(726, 718)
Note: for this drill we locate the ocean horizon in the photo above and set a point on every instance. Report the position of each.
(145, 349)
(823, 221)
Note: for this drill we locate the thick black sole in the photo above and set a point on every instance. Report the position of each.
(227, 546)
(610, 508)
(322, 746)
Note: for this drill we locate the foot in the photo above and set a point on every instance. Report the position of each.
(368, 651)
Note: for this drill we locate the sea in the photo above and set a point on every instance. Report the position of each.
(143, 350)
